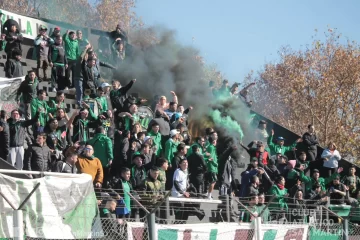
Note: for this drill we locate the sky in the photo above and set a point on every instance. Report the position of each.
(239, 36)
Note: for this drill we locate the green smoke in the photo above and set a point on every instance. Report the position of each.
(232, 127)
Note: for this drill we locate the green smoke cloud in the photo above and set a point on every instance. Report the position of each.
(231, 126)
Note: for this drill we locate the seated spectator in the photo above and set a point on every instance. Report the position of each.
(27, 92)
(13, 66)
(38, 156)
(331, 158)
(245, 216)
(337, 192)
(279, 146)
(138, 172)
(68, 165)
(311, 142)
(352, 182)
(91, 165)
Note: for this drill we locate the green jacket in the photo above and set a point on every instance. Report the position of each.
(279, 201)
(103, 148)
(36, 104)
(72, 51)
(170, 149)
(245, 215)
(310, 182)
(275, 148)
(213, 164)
(266, 215)
(156, 142)
(200, 151)
(102, 103)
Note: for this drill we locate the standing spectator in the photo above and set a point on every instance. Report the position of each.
(352, 182)
(42, 43)
(83, 42)
(103, 147)
(41, 103)
(123, 187)
(91, 165)
(258, 152)
(331, 158)
(58, 63)
(200, 142)
(101, 100)
(27, 92)
(56, 139)
(72, 53)
(69, 165)
(197, 168)
(82, 124)
(162, 105)
(279, 146)
(337, 192)
(38, 156)
(171, 110)
(148, 154)
(316, 196)
(119, 33)
(56, 33)
(212, 166)
(89, 81)
(316, 179)
(152, 188)
(245, 216)
(17, 137)
(156, 136)
(118, 51)
(265, 218)
(4, 136)
(59, 102)
(13, 66)
(118, 96)
(138, 171)
(13, 40)
(171, 144)
(281, 193)
(163, 165)
(311, 142)
(78, 76)
(261, 134)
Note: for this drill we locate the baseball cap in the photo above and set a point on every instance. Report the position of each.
(173, 132)
(42, 27)
(57, 28)
(280, 139)
(138, 154)
(105, 84)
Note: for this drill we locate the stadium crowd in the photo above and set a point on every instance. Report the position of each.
(129, 153)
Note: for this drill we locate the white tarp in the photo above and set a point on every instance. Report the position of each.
(61, 208)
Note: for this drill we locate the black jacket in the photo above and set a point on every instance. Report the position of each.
(17, 130)
(57, 54)
(89, 77)
(197, 164)
(13, 68)
(4, 140)
(164, 126)
(38, 158)
(64, 167)
(229, 174)
(176, 160)
(28, 90)
(310, 141)
(11, 43)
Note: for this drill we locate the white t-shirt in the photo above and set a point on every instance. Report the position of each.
(181, 177)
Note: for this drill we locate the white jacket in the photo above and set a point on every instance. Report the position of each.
(333, 158)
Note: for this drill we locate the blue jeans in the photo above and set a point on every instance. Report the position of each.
(79, 90)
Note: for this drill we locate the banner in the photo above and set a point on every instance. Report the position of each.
(8, 89)
(220, 231)
(61, 208)
(29, 27)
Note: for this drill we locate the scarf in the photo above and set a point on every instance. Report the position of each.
(281, 187)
